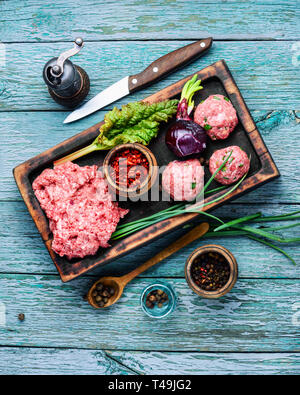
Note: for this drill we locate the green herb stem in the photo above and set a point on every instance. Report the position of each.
(272, 246)
(213, 176)
(266, 234)
(77, 154)
(237, 221)
(280, 217)
(282, 227)
(215, 190)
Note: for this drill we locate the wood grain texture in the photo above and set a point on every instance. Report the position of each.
(268, 80)
(24, 135)
(22, 249)
(209, 363)
(154, 19)
(255, 316)
(264, 71)
(38, 361)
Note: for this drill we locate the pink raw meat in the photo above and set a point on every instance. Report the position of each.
(81, 212)
(237, 165)
(217, 116)
(183, 180)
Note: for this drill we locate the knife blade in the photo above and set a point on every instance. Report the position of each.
(155, 71)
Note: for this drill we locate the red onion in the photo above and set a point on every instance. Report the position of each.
(185, 137)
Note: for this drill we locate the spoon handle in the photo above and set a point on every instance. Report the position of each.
(188, 238)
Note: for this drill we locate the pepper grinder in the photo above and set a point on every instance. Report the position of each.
(68, 84)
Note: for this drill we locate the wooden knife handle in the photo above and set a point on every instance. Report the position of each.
(188, 238)
(168, 63)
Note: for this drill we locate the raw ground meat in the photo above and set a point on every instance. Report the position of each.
(218, 114)
(183, 180)
(237, 165)
(81, 212)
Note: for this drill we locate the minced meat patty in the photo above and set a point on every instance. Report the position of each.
(183, 180)
(217, 116)
(237, 165)
(82, 215)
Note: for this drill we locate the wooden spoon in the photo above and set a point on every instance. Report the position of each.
(118, 283)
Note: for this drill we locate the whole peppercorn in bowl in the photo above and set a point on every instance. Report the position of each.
(211, 271)
(158, 300)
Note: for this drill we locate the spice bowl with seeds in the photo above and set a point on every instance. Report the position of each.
(211, 271)
(158, 300)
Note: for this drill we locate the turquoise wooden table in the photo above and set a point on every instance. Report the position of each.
(255, 328)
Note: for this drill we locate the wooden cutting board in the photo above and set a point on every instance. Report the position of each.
(216, 79)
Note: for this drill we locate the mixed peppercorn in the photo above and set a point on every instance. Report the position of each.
(210, 271)
(156, 297)
(102, 293)
(129, 168)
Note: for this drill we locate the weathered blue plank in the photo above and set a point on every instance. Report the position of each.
(265, 72)
(154, 19)
(24, 135)
(22, 249)
(38, 361)
(209, 363)
(257, 316)
(26, 361)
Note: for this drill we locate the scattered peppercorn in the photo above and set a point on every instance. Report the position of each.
(102, 293)
(157, 296)
(21, 317)
(210, 271)
(129, 168)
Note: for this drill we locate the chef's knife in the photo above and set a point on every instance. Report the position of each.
(158, 69)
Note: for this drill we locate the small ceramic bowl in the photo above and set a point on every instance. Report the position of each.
(168, 307)
(232, 276)
(145, 185)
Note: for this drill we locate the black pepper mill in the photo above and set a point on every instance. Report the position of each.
(67, 83)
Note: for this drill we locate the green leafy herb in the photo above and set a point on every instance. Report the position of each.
(194, 185)
(217, 98)
(226, 98)
(241, 164)
(207, 126)
(136, 122)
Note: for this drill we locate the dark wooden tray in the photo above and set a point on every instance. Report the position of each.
(215, 79)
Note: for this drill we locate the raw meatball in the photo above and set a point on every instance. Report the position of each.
(217, 116)
(237, 165)
(183, 180)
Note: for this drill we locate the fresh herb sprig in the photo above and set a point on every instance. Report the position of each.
(136, 122)
(234, 228)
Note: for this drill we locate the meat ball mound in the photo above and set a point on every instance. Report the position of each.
(183, 180)
(217, 116)
(237, 165)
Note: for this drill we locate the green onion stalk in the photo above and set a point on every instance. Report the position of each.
(225, 227)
